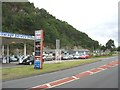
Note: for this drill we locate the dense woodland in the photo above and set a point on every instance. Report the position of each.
(24, 18)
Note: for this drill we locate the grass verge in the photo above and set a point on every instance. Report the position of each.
(104, 56)
(25, 71)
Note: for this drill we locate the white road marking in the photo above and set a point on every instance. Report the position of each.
(75, 78)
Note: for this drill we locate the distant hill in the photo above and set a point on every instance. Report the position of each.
(24, 18)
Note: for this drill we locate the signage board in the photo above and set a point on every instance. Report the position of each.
(38, 47)
(13, 35)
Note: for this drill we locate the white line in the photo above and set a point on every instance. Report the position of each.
(96, 71)
(101, 68)
(62, 83)
(48, 85)
(75, 77)
(85, 71)
(38, 86)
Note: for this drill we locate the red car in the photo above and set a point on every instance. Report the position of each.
(83, 56)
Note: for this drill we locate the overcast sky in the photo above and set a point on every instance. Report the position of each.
(97, 18)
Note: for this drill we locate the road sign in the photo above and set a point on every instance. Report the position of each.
(57, 51)
(57, 44)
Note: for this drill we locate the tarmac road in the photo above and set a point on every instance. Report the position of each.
(104, 79)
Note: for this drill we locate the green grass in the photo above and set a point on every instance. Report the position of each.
(103, 56)
(25, 71)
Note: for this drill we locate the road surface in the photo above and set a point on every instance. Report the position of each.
(93, 75)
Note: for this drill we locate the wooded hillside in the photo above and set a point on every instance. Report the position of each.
(24, 18)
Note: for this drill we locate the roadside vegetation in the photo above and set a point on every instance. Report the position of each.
(111, 54)
(25, 71)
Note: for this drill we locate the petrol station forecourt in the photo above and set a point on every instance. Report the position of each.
(12, 38)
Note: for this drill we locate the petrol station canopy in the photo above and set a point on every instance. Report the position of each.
(12, 38)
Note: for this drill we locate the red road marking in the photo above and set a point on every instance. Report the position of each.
(77, 76)
(40, 87)
(61, 81)
(112, 64)
(104, 66)
(82, 74)
(115, 62)
(95, 70)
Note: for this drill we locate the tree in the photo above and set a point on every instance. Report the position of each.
(118, 49)
(110, 45)
(103, 48)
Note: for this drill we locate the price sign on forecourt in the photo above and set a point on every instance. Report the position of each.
(38, 48)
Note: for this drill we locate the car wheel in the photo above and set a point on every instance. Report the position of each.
(30, 63)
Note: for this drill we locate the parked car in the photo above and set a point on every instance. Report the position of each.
(65, 57)
(87, 56)
(76, 56)
(48, 57)
(70, 56)
(4, 59)
(21, 58)
(84, 56)
(27, 60)
(13, 58)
